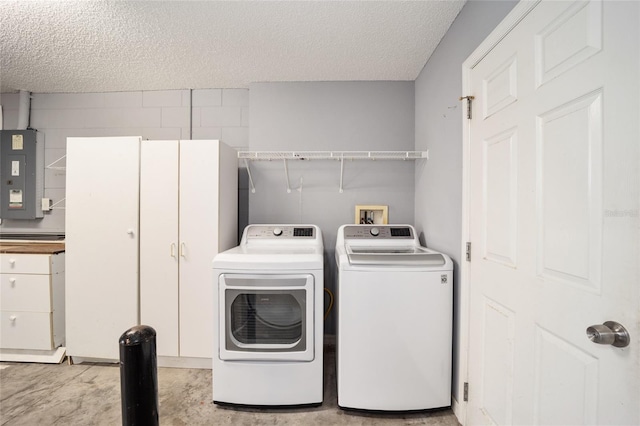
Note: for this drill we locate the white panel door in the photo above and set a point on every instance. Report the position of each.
(102, 192)
(159, 242)
(199, 218)
(553, 207)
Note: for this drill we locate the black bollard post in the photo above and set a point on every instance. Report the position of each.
(139, 376)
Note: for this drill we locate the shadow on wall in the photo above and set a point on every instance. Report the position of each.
(243, 201)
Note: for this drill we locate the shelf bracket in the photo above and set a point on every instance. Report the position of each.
(253, 188)
(51, 166)
(53, 206)
(286, 175)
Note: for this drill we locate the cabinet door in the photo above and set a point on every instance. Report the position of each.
(199, 211)
(159, 245)
(102, 216)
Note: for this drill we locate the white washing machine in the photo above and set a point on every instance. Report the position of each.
(394, 333)
(268, 303)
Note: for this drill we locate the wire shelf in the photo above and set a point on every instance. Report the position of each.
(332, 155)
(284, 156)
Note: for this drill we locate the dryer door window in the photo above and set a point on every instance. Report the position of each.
(266, 317)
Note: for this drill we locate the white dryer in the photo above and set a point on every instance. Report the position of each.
(268, 303)
(394, 310)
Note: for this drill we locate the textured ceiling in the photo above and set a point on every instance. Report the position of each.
(95, 46)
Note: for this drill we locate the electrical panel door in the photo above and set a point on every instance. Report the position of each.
(22, 174)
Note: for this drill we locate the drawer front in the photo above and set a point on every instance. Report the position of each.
(25, 263)
(21, 292)
(25, 330)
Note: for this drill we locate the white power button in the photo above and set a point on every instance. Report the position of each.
(277, 232)
(375, 232)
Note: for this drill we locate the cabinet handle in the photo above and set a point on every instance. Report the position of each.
(173, 250)
(182, 250)
(13, 318)
(12, 281)
(130, 232)
(12, 262)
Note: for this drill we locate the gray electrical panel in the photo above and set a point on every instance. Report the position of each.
(22, 174)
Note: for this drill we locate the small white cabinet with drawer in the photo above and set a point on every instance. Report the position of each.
(31, 301)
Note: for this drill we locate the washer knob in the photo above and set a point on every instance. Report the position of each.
(277, 232)
(375, 232)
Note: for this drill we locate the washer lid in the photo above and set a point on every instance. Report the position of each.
(270, 258)
(379, 255)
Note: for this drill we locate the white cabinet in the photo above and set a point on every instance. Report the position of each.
(31, 303)
(101, 235)
(188, 213)
(183, 195)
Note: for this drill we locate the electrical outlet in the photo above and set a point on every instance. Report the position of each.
(46, 204)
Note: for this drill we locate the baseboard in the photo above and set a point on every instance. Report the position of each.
(184, 362)
(459, 410)
(54, 356)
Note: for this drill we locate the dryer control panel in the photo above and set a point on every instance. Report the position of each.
(360, 232)
(280, 231)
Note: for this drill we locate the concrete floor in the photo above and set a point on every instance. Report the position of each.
(89, 394)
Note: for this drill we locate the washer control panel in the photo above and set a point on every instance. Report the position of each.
(280, 231)
(360, 232)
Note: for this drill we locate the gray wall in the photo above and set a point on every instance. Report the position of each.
(438, 198)
(170, 114)
(340, 116)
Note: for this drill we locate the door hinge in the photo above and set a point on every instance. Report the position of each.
(468, 254)
(465, 394)
(469, 101)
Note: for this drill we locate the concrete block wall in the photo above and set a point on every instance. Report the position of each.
(170, 114)
(222, 114)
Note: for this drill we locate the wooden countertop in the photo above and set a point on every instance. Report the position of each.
(31, 248)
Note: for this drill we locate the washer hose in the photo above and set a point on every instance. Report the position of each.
(326, 314)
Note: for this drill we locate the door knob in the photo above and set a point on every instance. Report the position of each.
(609, 333)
